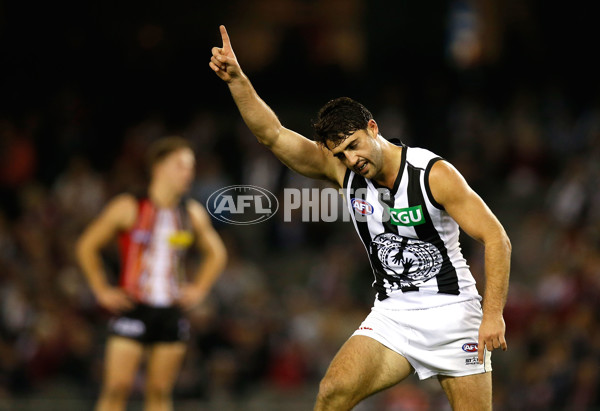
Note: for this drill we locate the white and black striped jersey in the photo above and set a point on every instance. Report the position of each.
(412, 242)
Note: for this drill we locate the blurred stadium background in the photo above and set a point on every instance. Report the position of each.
(506, 90)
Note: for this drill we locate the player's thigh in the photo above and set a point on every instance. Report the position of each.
(121, 361)
(164, 363)
(364, 366)
(471, 392)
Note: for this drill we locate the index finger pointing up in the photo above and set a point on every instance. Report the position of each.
(225, 38)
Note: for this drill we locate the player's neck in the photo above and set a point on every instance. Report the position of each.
(162, 195)
(392, 156)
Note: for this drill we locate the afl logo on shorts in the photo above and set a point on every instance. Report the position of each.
(362, 206)
(470, 347)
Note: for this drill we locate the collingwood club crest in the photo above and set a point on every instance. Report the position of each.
(410, 260)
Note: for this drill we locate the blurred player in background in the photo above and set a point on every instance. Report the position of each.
(407, 205)
(149, 303)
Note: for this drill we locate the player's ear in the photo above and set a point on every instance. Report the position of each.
(373, 128)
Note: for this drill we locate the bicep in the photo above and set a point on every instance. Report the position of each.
(464, 205)
(306, 157)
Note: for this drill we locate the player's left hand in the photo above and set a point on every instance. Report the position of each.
(191, 295)
(491, 335)
(223, 61)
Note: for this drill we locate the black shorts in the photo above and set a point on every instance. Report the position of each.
(150, 325)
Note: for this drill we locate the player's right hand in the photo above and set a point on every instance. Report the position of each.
(223, 60)
(114, 299)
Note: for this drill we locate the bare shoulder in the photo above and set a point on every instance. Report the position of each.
(442, 169)
(197, 213)
(121, 211)
(446, 182)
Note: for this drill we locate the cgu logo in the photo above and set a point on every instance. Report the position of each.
(242, 204)
(407, 217)
(362, 206)
(470, 347)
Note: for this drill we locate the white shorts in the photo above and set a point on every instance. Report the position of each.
(436, 341)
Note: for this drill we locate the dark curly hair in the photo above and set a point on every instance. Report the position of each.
(338, 119)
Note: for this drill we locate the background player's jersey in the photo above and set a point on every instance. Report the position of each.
(152, 254)
(412, 242)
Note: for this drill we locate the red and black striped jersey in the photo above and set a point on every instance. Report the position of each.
(152, 253)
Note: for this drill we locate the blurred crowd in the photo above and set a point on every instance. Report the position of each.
(293, 292)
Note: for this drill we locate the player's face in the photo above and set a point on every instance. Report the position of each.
(360, 152)
(177, 169)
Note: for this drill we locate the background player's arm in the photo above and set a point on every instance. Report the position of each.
(118, 215)
(451, 190)
(214, 257)
(294, 150)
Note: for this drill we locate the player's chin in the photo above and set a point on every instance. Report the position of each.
(184, 187)
(368, 172)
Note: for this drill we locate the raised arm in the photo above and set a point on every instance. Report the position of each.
(451, 190)
(294, 150)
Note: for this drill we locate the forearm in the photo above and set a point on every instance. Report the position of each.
(210, 269)
(497, 269)
(91, 265)
(257, 115)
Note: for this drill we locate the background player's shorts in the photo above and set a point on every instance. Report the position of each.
(440, 340)
(150, 325)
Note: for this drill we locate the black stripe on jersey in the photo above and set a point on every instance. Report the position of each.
(346, 177)
(387, 197)
(186, 220)
(427, 187)
(387, 202)
(447, 278)
(359, 186)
